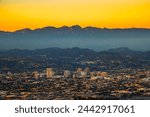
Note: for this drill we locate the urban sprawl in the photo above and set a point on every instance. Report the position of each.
(74, 78)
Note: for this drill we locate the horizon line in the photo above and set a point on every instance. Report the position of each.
(5, 50)
(82, 27)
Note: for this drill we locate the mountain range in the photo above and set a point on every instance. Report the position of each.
(75, 52)
(76, 36)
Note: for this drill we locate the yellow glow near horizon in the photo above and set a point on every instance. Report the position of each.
(18, 14)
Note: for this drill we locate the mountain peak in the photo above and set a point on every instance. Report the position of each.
(122, 50)
(76, 27)
(26, 30)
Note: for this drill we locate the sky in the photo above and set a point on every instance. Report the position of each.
(19, 14)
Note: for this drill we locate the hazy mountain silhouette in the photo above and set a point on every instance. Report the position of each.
(75, 36)
(48, 51)
(75, 52)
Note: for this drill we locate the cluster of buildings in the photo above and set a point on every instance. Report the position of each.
(51, 73)
(79, 84)
(79, 73)
(108, 76)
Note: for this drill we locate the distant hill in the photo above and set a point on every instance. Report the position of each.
(75, 52)
(75, 36)
(125, 50)
(48, 51)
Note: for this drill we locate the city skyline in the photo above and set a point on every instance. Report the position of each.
(109, 13)
(75, 74)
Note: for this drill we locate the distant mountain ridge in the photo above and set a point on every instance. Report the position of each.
(76, 36)
(74, 52)
(48, 51)
(74, 27)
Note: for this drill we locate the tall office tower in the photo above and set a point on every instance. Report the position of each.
(67, 74)
(9, 74)
(87, 70)
(148, 73)
(83, 74)
(35, 74)
(49, 72)
(78, 72)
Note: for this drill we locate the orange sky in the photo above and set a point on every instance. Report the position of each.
(18, 14)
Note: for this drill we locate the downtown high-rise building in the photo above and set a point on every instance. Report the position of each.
(49, 73)
(67, 73)
(35, 74)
